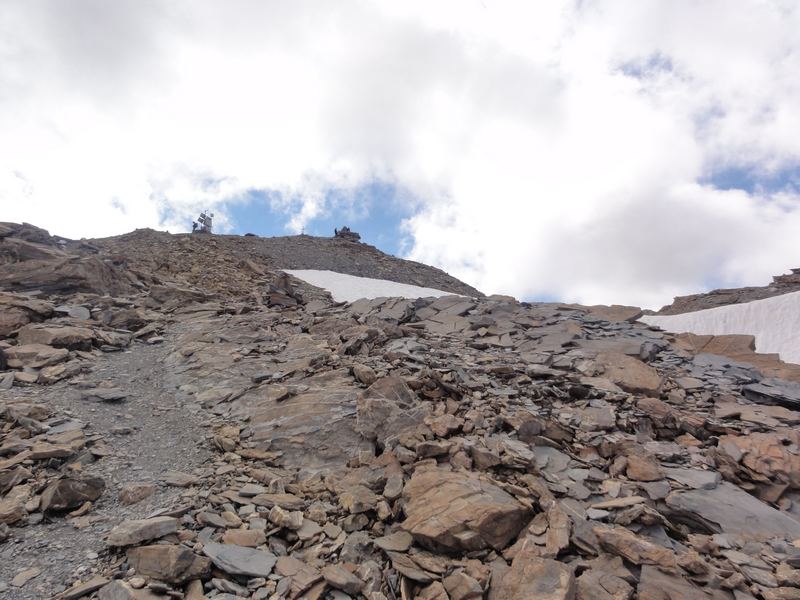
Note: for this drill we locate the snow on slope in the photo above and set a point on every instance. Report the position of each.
(775, 323)
(349, 288)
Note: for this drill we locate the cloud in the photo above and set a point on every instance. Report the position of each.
(563, 149)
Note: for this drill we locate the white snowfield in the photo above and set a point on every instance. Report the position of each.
(349, 288)
(775, 323)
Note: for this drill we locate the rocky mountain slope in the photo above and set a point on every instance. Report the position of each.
(781, 284)
(179, 419)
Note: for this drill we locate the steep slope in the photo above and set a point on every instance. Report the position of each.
(182, 420)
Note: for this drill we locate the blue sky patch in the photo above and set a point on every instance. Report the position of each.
(752, 180)
(376, 211)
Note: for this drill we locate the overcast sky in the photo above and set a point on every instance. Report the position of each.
(592, 151)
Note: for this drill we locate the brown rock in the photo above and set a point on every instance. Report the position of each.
(642, 467)
(79, 590)
(131, 493)
(781, 593)
(628, 545)
(168, 562)
(387, 408)
(287, 519)
(461, 586)
(23, 577)
(71, 492)
(358, 499)
(132, 532)
(12, 507)
(12, 477)
(364, 374)
(342, 579)
(251, 538)
(303, 575)
(34, 356)
(463, 511)
(399, 541)
(657, 585)
(597, 585)
(615, 312)
(12, 318)
(73, 338)
(769, 454)
(630, 373)
(54, 373)
(532, 577)
(435, 591)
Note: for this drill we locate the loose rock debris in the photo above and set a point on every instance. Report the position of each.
(450, 448)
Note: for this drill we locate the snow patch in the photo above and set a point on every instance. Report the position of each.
(775, 323)
(349, 288)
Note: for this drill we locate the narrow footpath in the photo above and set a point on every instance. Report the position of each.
(152, 431)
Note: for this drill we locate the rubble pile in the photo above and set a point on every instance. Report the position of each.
(435, 449)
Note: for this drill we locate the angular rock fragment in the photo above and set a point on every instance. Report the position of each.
(386, 408)
(34, 356)
(132, 532)
(12, 506)
(594, 584)
(168, 562)
(727, 508)
(131, 493)
(531, 577)
(657, 585)
(239, 560)
(71, 492)
(633, 548)
(340, 578)
(455, 512)
(73, 338)
(629, 373)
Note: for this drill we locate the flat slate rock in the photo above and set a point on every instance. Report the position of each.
(240, 560)
(136, 531)
(694, 478)
(729, 509)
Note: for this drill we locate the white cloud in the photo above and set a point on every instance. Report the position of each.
(554, 148)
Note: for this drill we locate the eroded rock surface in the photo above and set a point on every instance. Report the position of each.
(208, 427)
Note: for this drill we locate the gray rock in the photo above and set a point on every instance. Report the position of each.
(694, 478)
(730, 509)
(132, 532)
(239, 560)
(75, 311)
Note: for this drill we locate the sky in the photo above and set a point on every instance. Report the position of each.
(593, 151)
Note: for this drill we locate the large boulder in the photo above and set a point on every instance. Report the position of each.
(456, 512)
